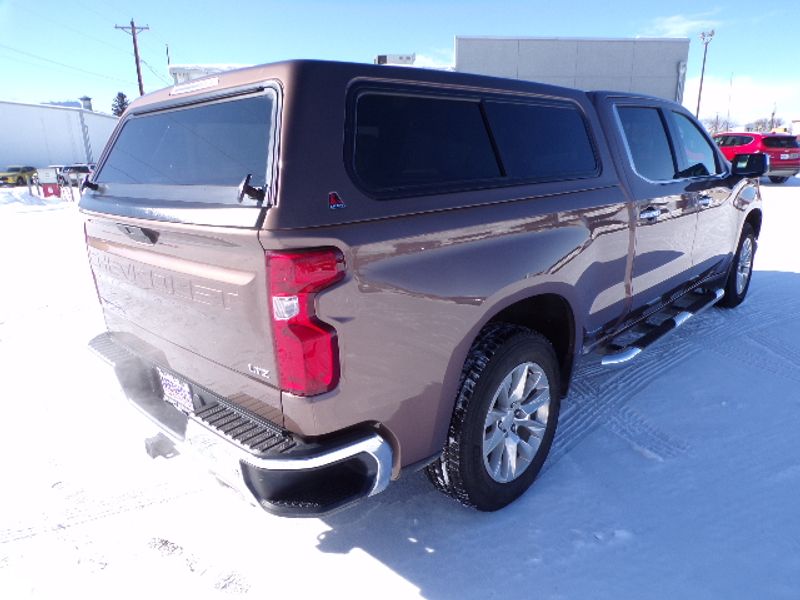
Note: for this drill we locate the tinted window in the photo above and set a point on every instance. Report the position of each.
(697, 157)
(211, 144)
(409, 141)
(541, 142)
(648, 142)
(732, 140)
(780, 142)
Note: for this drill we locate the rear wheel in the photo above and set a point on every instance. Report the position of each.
(20, 181)
(778, 179)
(741, 270)
(504, 420)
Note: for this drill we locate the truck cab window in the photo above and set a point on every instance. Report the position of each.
(648, 143)
(697, 157)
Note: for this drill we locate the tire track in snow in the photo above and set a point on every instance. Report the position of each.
(789, 353)
(600, 398)
(652, 442)
(80, 509)
(765, 352)
(599, 395)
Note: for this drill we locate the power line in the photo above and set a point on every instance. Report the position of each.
(108, 17)
(62, 25)
(133, 30)
(64, 65)
(154, 72)
(83, 34)
(94, 10)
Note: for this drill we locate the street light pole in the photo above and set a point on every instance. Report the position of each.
(705, 37)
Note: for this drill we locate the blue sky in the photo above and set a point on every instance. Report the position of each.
(53, 50)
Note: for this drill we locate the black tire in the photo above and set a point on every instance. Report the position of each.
(463, 471)
(778, 179)
(20, 181)
(734, 292)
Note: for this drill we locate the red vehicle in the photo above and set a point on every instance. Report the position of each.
(783, 151)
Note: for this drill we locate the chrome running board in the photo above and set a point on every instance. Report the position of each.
(625, 354)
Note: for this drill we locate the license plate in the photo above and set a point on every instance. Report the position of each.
(176, 392)
(790, 156)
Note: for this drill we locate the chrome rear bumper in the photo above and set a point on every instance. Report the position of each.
(273, 468)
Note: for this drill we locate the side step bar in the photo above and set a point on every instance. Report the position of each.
(636, 347)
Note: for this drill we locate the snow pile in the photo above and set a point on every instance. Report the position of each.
(18, 199)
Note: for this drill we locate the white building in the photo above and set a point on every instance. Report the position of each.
(42, 134)
(654, 66)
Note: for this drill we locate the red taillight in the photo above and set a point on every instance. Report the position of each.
(306, 349)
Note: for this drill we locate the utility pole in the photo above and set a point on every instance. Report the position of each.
(133, 30)
(705, 37)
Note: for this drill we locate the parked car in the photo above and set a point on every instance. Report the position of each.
(319, 276)
(58, 169)
(783, 151)
(75, 173)
(17, 175)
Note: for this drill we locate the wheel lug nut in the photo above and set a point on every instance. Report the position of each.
(519, 414)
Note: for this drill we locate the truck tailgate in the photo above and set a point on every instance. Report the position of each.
(194, 297)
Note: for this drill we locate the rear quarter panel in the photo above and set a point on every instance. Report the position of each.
(419, 289)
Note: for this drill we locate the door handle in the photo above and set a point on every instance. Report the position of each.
(703, 200)
(139, 234)
(650, 213)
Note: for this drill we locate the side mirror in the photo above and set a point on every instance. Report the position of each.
(750, 165)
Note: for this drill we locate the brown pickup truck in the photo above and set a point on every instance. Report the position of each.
(320, 275)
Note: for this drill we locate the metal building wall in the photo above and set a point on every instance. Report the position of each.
(41, 135)
(655, 66)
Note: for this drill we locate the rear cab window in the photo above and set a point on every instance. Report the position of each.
(185, 163)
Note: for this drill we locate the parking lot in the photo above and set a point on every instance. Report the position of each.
(677, 476)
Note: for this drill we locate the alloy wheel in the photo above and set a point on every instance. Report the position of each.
(516, 422)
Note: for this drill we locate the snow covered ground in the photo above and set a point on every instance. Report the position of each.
(676, 477)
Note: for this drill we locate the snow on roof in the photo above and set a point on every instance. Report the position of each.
(209, 68)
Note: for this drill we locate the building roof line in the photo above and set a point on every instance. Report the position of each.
(56, 107)
(572, 39)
